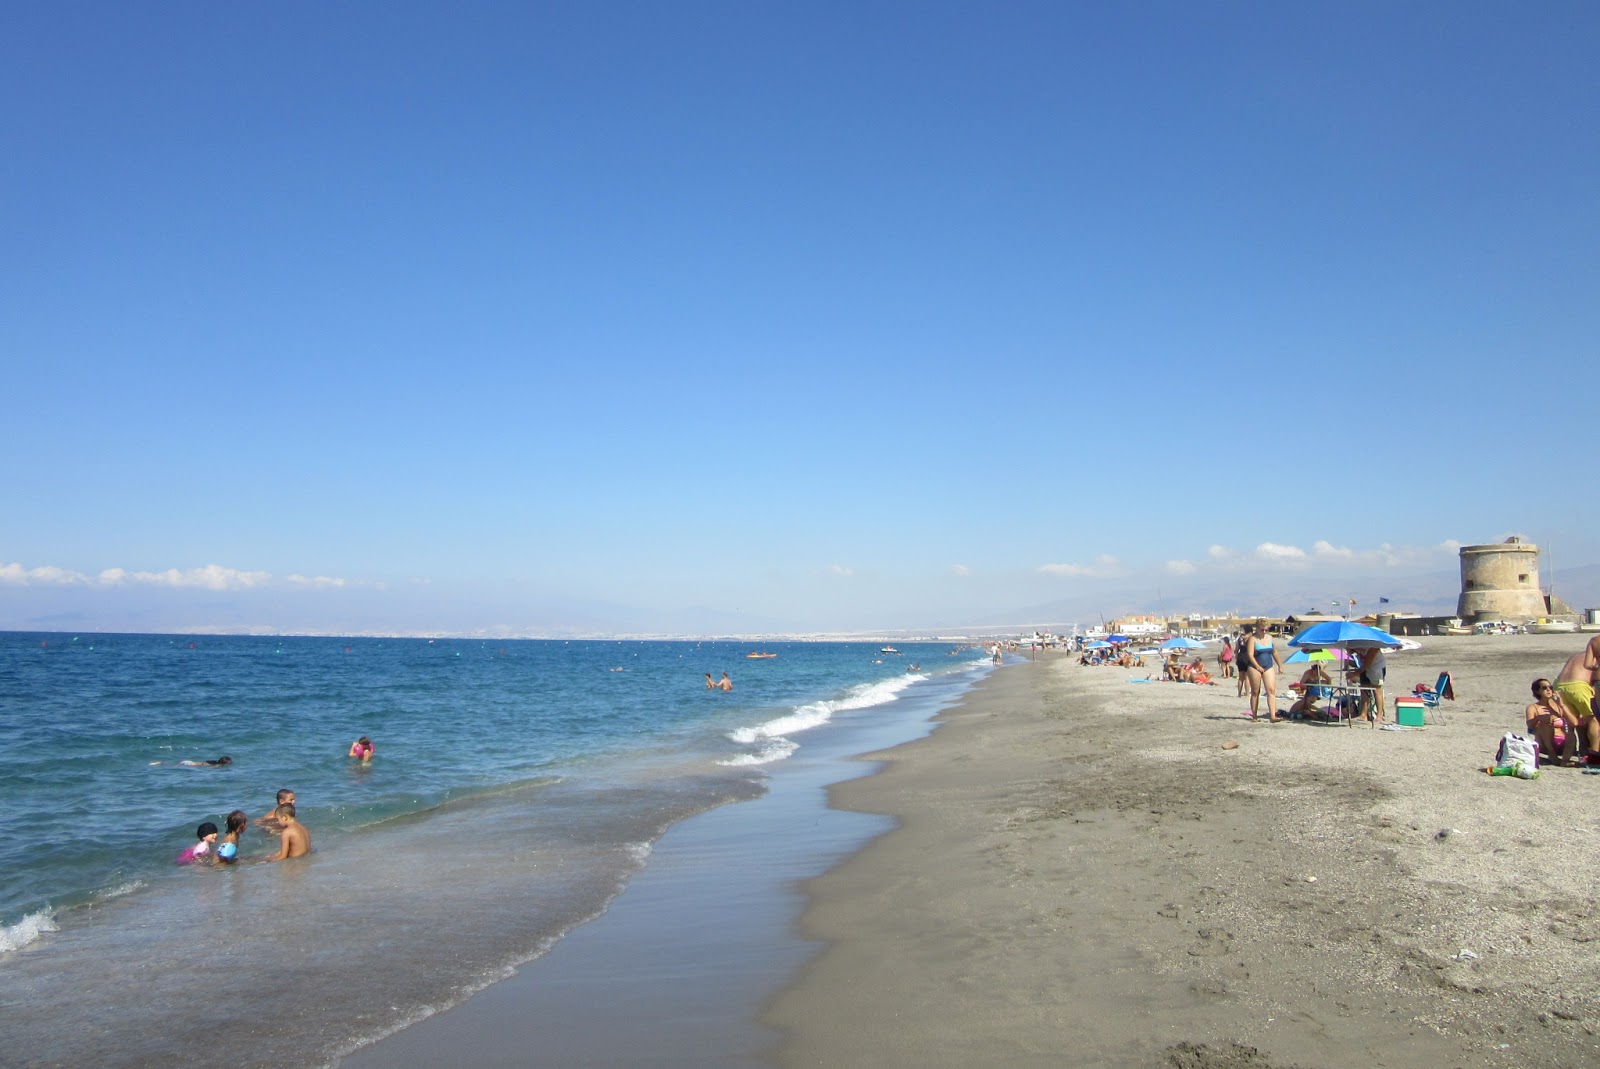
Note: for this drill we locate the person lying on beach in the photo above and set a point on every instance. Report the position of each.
(200, 852)
(228, 847)
(1552, 723)
(295, 838)
(268, 821)
(362, 749)
(1195, 672)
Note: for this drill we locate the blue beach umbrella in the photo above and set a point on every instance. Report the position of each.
(1181, 643)
(1344, 635)
(1098, 646)
(1296, 657)
(1118, 638)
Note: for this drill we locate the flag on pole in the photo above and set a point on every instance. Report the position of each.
(1383, 601)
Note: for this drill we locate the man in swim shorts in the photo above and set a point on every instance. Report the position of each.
(1575, 684)
(295, 838)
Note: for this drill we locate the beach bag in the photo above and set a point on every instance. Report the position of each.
(1517, 750)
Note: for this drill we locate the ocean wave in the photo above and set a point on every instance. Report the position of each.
(774, 750)
(25, 931)
(815, 714)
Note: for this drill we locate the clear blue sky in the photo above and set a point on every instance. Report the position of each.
(824, 316)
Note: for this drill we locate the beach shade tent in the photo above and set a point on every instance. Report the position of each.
(1181, 643)
(1343, 635)
(1118, 638)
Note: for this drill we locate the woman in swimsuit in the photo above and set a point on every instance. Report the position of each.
(1262, 668)
(1552, 723)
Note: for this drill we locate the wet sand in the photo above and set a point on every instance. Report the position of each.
(1083, 873)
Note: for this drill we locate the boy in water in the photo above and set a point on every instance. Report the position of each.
(295, 838)
(268, 821)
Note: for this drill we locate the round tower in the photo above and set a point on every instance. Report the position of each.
(1500, 582)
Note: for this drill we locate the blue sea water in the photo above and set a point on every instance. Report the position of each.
(516, 787)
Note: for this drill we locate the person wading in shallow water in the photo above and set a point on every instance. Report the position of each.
(725, 683)
(295, 838)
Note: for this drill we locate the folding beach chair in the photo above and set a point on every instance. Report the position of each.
(1443, 688)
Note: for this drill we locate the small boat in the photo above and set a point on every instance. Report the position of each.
(1553, 627)
(888, 649)
(1452, 626)
(758, 656)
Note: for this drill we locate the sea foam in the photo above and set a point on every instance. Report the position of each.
(25, 931)
(815, 714)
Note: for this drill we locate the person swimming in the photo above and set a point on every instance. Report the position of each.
(228, 848)
(362, 749)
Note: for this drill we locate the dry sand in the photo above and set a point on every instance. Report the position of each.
(1084, 875)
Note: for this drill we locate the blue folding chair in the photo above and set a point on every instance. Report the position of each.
(1443, 688)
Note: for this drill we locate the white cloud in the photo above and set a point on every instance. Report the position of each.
(318, 581)
(960, 569)
(1181, 567)
(209, 577)
(1103, 566)
(1273, 553)
(44, 575)
(1219, 553)
(840, 570)
(1328, 551)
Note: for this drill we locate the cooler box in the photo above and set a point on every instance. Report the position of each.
(1410, 712)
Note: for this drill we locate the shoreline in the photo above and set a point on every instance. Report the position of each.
(1082, 874)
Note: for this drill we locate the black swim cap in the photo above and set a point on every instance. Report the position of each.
(205, 829)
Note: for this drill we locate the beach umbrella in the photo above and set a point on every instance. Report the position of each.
(1098, 646)
(1329, 655)
(1118, 638)
(1297, 657)
(1344, 635)
(1181, 643)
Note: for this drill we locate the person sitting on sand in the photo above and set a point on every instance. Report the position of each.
(1195, 672)
(295, 839)
(362, 749)
(268, 821)
(1552, 723)
(1313, 686)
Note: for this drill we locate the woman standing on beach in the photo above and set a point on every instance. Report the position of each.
(1262, 668)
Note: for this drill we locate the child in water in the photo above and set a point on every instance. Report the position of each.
(228, 848)
(200, 852)
(362, 748)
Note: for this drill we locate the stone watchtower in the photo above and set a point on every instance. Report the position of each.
(1500, 582)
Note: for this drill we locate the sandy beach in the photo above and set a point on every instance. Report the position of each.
(1085, 873)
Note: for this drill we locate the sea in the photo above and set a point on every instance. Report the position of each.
(517, 788)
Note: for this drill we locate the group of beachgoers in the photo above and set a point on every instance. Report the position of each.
(1115, 657)
(1259, 660)
(723, 684)
(213, 847)
(1562, 713)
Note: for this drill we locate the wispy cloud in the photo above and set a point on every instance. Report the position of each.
(1104, 566)
(1279, 557)
(208, 577)
(960, 569)
(839, 570)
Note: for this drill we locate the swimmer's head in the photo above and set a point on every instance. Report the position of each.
(285, 795)
(224, 760)
(238, 821)
(286, 810)
(363, 740)
(205, 830)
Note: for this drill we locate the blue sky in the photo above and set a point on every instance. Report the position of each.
(811, 317)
